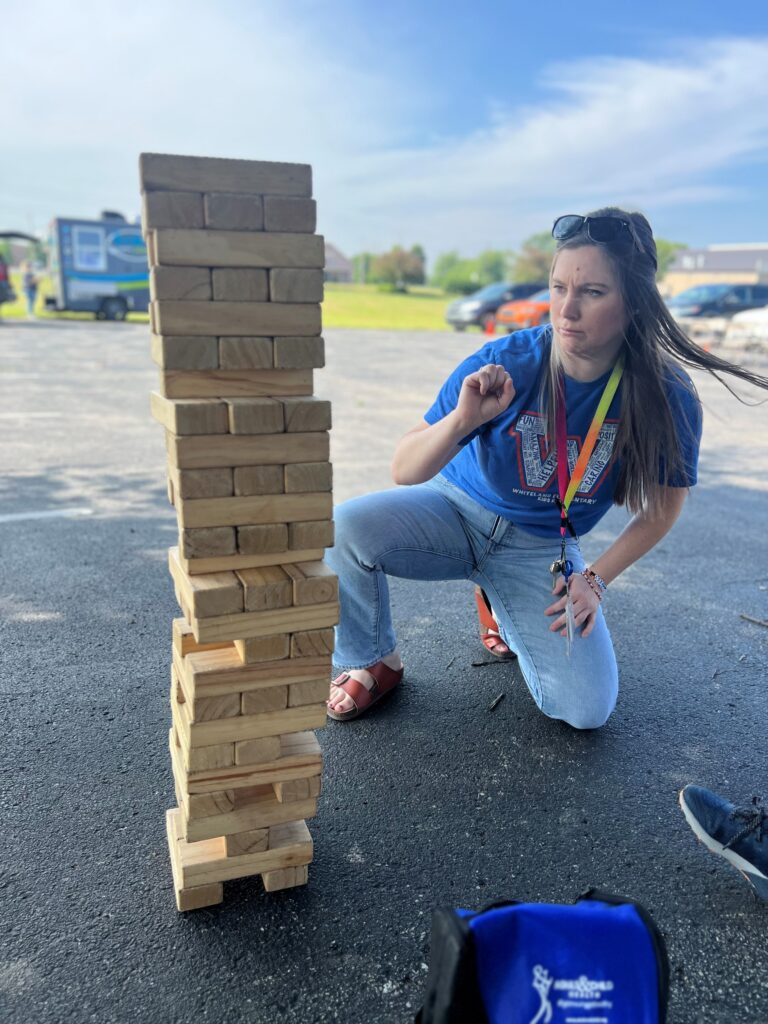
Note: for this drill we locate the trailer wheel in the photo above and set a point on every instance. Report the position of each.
(112, 309)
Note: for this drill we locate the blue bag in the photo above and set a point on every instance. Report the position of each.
(600, 960)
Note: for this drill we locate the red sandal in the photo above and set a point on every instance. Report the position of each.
(490, 636)
(385, 681)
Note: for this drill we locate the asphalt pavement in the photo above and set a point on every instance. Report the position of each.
(433, 799)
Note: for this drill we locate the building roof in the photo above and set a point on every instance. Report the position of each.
(335, 260)
(750, 258)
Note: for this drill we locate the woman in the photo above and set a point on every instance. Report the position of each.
(529, 443)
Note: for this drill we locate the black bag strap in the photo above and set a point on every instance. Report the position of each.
(657, 939)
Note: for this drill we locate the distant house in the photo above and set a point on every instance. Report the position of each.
(746, 263)
(337, 266)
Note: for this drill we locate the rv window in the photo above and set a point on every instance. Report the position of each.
(90, 251)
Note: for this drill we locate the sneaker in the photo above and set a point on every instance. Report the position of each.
(738, 834)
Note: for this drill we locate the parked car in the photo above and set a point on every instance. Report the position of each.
(718, 299)
(748, 330)
(478, 309)
(525, 312)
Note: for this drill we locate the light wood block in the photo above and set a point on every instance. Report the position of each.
(299, 353)
(313, 583)
(311, 692)
(223, 318)
(238, 249)
(288, 762)
(214, 174)
(280, 620)
(198, 566)
(255, 841)
(215, 756)
(205, 862)
(240, 284)
(246, 353)
(282, 213)
(203, 483)
(270, 587)
(258, 649)
(249, 480)
(171, 210)
(184, 642)
(294, 756)
(217, 450)
(211, 709)
(259, 809)
(257, 702)
(220, 672)
(228, 212)
(191, 897)
(233, 383)
(310, 535)
(300, 477)
(285, 878)
(257, 752)
(312, 643)
(194, 735)
(291, 285)
(254, 416)
(216, 593)
(254, 509)
(149, 235)
(271, 538)
(180, 283)
(186, 353)
(206, 805)
(208, 542)
(306, 414)
(191, 415)
(297, 789)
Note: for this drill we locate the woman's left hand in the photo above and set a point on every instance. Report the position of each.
(585, 605)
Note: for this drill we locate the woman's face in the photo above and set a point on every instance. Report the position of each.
(587, 310)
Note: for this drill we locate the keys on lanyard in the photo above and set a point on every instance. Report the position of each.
(564, 566)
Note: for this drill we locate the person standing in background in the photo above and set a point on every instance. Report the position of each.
(29, 286)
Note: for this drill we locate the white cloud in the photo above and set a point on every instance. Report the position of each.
(98, 83)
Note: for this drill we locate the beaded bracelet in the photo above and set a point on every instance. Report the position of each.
(596, 583)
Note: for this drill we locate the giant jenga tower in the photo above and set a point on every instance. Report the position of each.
(236, 281)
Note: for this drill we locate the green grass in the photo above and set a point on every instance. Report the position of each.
(360, 306)
(364, 306)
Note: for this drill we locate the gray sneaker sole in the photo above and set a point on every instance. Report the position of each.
(748, 871)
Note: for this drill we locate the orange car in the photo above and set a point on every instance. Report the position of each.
(524, 312)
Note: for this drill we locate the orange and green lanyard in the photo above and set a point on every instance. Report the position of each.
(568, 488)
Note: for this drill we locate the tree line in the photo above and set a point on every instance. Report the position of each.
(397, 269)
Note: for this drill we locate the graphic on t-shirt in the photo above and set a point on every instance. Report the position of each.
(538, 464)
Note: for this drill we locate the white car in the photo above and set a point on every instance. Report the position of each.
(748, 330)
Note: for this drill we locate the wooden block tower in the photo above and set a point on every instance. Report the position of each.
(236, 281)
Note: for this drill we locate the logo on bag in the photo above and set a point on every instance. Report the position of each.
(574, 994)
(542, 982)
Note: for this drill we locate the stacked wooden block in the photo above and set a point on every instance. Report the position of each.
(236, 281)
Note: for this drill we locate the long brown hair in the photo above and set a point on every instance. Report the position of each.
(647, 442)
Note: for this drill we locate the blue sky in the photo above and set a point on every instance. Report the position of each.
(452, 125)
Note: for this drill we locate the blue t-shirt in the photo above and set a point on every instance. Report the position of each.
(508, 466)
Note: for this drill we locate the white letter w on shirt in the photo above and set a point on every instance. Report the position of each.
(538, 470)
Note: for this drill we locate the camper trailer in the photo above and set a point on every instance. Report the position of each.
(98, 266)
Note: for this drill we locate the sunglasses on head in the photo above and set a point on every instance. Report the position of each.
(598, 229)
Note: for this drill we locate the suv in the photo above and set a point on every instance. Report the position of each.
(718, 299)
(479, 309)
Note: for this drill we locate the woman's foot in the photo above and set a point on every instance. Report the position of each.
(490, 636)
(341, 703)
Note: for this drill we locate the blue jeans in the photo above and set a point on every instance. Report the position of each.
(435, 531)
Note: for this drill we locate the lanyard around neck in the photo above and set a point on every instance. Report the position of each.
(567, 488)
